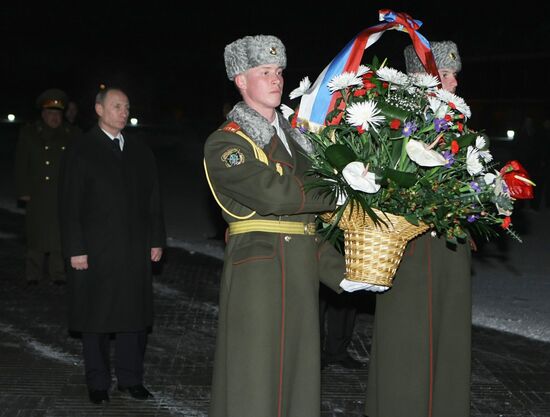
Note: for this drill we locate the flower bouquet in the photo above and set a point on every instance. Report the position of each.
(397, 155)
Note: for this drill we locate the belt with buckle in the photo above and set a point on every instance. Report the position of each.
(271, 226)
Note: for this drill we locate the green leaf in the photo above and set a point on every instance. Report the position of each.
(403, 179)
(412, 219)
(391, 112)
(339, 156)
(466, 139)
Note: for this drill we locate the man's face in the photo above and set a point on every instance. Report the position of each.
(262, 87)
(113, 112)
(448, 79)
(52, 117)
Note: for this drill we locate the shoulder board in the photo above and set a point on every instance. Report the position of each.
(232, 127)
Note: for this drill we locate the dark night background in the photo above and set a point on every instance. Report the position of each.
(169, 59)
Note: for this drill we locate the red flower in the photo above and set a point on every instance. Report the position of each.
(518, 181)
(460, 126)
(368, 85)
(448, 117)
(452, 105)
(360, 92)
(506, 222)
(454, 147)
(360, 130)
(395, 123)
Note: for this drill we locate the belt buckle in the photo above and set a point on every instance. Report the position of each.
(309, 228)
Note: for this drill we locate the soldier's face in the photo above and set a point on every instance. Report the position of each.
(262, 87)
(52, 117)
(448, 79)
(113, 112)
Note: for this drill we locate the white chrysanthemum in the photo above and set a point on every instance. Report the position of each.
(420, 153)
(425, 80)
(486, 155)
(362, 70)
(359, 178)
(481, 143)
(301, 90)
(287, 111)
(439, 109)
(392, 76)
(457, 101)
(344, 80)
(473, 164)
(364, 114)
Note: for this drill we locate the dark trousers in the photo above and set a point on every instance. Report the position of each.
(35, 265)
(129, 355)
(337, 312)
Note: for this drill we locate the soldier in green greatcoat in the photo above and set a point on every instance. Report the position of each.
(267, 360)
(420, 356)
(39, 150)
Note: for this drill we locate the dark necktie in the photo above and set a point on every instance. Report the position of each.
(116, 146)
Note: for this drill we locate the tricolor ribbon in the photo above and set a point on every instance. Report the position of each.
(318, 101)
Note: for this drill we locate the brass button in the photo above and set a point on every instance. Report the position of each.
(46, 147)
(288, 238)
(47, 178)
(47, 162)
(62, 148)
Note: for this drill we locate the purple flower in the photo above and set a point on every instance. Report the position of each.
(472, 218)
(475, 186)
(440, 124)
(302, 129)
(409, 129)
(449, 157)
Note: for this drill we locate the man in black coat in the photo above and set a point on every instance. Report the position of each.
(111, 228)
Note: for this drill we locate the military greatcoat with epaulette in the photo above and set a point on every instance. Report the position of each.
(37, 161)
(420, 358)
(267, 361)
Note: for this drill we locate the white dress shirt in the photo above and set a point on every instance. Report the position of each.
(119, 137)
(281, 134)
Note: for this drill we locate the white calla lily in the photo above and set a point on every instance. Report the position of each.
(421, 153)
(358, 177)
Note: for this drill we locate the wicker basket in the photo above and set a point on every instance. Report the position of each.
(373, 252)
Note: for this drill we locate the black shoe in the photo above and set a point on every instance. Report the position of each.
(349, 363)
(139, 392)
(32, 282)
(98, 396)
(59, 282)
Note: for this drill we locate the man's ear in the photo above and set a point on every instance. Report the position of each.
(240, 81)
(99, 109)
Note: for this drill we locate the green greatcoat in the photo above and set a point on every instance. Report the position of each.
(38, 157)
(420, 357)
(267, 360)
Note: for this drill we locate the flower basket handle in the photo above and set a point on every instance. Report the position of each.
(318, 101)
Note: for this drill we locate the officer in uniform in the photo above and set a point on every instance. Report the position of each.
(39, 150)
(420, 357)
(267, 354)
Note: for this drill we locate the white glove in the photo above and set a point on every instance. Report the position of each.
(351, 286)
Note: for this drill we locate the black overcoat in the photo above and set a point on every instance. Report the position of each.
(110, 210)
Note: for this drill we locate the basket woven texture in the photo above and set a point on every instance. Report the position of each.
(373, 251)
